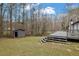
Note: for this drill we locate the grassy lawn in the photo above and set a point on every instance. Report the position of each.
(33, 46)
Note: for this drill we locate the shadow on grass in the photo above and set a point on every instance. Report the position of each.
(68, 40)
(73, 40)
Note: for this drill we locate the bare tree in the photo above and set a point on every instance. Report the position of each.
(1, 19)
(10, 6)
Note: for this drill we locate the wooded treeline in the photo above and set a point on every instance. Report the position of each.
(34, 23)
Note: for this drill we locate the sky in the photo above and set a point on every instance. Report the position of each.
(52, 8)
(56, 8)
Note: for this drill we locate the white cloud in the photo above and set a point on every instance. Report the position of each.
(35, 4)
(48, 10)
(27, 7)
(30, 6)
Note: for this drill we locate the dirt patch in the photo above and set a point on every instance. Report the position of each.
(69, 50)
(77, 48)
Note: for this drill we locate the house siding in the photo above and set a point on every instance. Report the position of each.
(74, 29)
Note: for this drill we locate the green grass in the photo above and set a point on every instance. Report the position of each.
(31, 46)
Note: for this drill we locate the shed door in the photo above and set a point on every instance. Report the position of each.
(16, 34)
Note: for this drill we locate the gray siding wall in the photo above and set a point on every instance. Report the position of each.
(21, 33)
(74, 29)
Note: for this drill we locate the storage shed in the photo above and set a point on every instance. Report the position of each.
(19, 33)
(18, 30)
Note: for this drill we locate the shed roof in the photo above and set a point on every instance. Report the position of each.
(19, 29)
(75, 22)
(16, 26)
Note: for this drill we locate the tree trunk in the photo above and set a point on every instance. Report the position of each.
(1, 21)
(11, 20)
